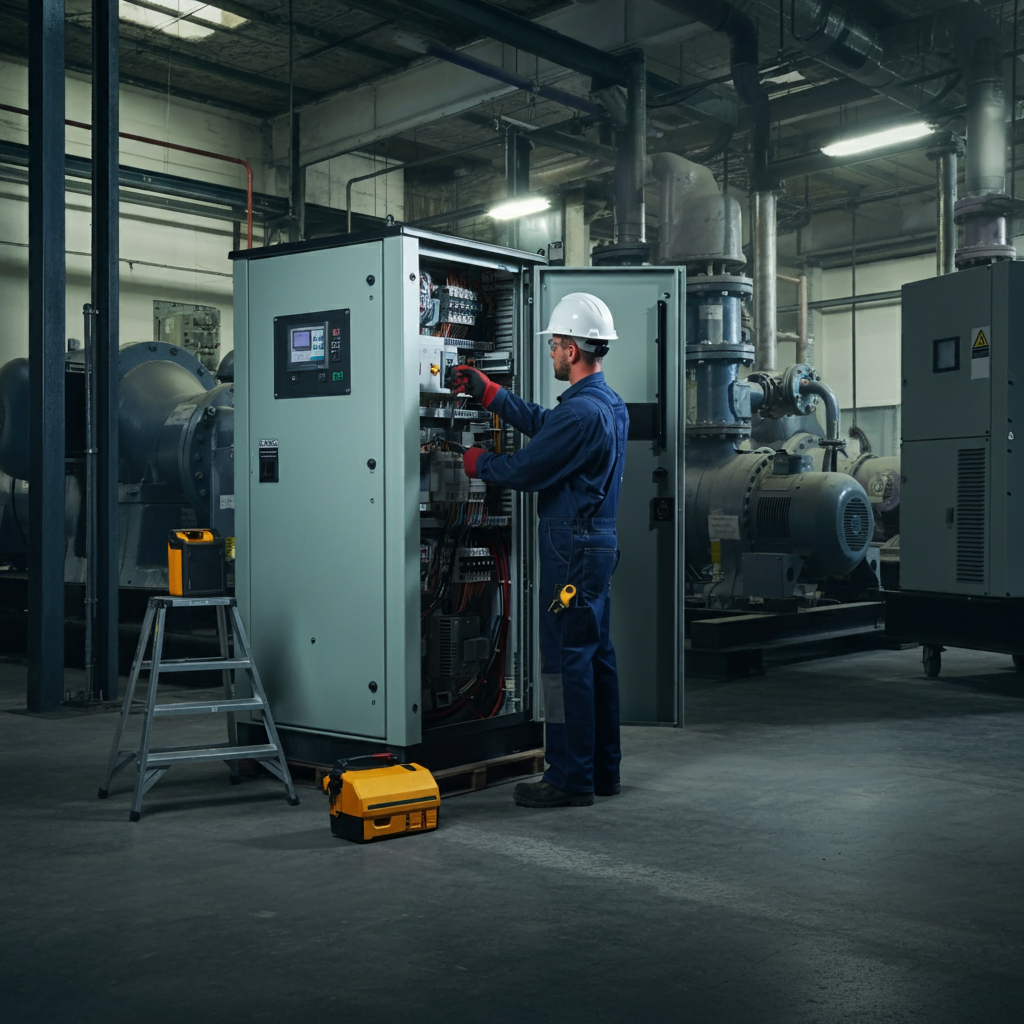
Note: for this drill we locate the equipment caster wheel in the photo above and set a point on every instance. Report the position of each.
(134, 815)
(931, 658)
(293, 801)
(1018, 661)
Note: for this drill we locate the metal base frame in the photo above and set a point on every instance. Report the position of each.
(956, 620)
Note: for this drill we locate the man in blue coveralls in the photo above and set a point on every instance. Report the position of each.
(575, 460)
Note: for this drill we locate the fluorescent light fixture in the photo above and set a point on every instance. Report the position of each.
(170, 18)
(889, 137)
(512, 208)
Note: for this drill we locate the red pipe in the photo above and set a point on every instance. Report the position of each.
(181, 149)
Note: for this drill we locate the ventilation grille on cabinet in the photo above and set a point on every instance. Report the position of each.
(773, 518)
(970, 515)
(857, 523)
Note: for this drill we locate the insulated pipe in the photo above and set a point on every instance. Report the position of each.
(803, 341)
(765, 287)
(945, 228)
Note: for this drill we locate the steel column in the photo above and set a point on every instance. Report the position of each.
(47, 279)
(106, 303)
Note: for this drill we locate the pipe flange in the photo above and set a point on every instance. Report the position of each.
(141, 352)
(621, 254)
(707, 429)
(720, 284)
(800, 404)
(707, 353)
(968, 256)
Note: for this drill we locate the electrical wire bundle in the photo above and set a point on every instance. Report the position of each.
(487, 687)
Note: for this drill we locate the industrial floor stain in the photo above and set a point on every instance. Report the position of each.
(836, 841)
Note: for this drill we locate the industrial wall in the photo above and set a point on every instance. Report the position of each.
(164, 255)
(878, 331)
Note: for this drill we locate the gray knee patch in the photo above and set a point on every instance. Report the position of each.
(554, 702)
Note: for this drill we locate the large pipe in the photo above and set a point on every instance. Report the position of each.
(831, 403)
(945, 227)
(765, 287)
(744, 61)
(631, 167)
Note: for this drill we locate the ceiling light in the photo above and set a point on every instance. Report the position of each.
(889, 137)
(170, 17)
(512, 208)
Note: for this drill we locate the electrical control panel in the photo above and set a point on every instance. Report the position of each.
(313, 354)
(962, 493)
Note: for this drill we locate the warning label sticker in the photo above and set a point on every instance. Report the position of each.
(981, 352)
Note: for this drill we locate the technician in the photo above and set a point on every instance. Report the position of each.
(575, 460)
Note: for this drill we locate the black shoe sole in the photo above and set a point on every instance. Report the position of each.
(609, 791)
(577, 800)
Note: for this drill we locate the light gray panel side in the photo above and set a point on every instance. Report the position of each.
(400, 399)
(944, 545)
(646, 610)
(948, 404)
(1007, 485)
(317, 536)
(240, 273)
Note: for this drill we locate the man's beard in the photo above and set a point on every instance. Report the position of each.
(562, 370)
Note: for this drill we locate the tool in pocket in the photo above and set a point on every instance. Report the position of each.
(567, 593)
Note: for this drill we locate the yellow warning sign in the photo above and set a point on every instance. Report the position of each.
(981, 353)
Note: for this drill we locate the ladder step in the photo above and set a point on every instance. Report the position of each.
(226, 752)
(196, 664)
(198, 707)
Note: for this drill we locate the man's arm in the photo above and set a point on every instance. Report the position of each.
(526, 417)
(557, 450)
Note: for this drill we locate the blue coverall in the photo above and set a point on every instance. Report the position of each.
(575, 460)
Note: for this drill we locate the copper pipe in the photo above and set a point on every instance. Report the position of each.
(181, 149)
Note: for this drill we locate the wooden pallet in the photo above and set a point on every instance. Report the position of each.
(469, 778)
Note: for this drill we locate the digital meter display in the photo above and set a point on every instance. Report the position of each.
(307, 345)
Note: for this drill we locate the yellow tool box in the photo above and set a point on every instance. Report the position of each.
(376, 796)
(195, 563)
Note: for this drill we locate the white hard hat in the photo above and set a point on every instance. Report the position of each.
(585, 318)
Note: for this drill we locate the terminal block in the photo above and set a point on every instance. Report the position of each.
(473, 565)
(449, 483)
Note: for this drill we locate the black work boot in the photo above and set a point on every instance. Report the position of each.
(543, 794)
(607, 789)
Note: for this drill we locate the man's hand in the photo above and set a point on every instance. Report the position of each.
(470, 381)
(470, 457)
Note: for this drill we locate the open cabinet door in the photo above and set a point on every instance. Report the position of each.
(645, 366)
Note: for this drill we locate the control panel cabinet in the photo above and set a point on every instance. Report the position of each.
(962, 500)
(389, 599)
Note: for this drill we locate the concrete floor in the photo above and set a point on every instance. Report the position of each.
(838, 841)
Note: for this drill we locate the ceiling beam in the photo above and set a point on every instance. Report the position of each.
(280, 21)
(356, 118)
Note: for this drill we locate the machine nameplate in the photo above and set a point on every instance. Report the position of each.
(721, 527)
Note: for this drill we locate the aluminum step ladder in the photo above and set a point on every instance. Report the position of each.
(154, 762)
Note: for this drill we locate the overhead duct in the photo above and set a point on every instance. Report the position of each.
(966, 33)
(832, 33)
(698, 223)
(744, 60)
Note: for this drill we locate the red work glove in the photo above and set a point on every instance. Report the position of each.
(471, 456)
(471, 381)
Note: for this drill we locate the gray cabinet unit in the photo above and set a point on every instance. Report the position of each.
(962, 502)
(390, 600)
(962, 509)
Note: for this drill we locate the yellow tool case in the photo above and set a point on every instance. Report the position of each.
(195, 563)
(376, 796)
